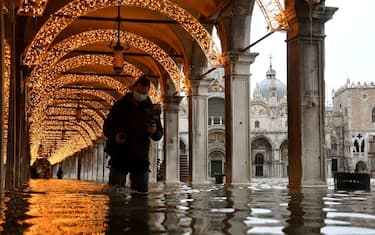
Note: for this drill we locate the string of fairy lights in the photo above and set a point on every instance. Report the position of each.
(6, 83)
(43, 76)
(47, 81)
(43, 82)
(70, 12)
(68, 45)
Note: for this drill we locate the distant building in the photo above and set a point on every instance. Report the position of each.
(269, 129)
(350, 129)
(349, 122)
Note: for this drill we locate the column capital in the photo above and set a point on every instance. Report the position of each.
(176, 99)
(305, 20)
(237, 64)
(239, 57)
(171, 103)
(99, 141)
(200, 86)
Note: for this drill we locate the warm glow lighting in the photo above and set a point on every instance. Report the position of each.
(118, 58)
(42, 84)
(58, 22)
(6, 94)
(48, 69)
(37, 128)
(274, 14)
(62, 48)
(32, 7)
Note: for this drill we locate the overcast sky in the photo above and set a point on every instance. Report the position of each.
(349, 46)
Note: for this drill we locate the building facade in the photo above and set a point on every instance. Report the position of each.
(350, 129)
(268, 129)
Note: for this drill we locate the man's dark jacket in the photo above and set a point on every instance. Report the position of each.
(131, 119)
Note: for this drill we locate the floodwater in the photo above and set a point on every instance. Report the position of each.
(264, 207)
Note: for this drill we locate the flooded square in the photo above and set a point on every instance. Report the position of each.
(265, 206)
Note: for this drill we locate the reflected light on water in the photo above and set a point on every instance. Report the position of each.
(65, 206)
(266, 206)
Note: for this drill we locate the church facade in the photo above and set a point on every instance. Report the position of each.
(349, 127)
(269, 128)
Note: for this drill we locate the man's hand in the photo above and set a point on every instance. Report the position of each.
(120, 138)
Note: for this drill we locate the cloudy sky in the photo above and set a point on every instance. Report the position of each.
(349, 46)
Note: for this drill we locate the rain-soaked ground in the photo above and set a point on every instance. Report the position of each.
(264, 207)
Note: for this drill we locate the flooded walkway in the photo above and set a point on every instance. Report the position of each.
(264, 207)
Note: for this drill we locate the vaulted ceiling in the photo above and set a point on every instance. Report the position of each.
(69, 55)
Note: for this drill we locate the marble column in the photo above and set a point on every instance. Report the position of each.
(101, 160)
(153, 157)
(199, 131)
(306, 93)
(237, 120)
(171, 141)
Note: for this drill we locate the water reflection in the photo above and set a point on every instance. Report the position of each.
(265, 206)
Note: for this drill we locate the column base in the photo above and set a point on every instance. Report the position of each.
(314, 184)
(201, 182)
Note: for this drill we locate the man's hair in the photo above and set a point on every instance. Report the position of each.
(143, 81)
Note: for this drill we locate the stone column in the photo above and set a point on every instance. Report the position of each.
(305, 55)
(237, 121)
(171, 142)
(100, 160)
(198, 110)
(153, 157)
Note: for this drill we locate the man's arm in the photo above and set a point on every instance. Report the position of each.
(110, 123)
(159, 131)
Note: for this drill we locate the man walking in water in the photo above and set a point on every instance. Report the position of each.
(131, 123)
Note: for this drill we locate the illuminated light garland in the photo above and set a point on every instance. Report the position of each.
(55, 137)
(71, 123)
(68, 45)
(98, 116)
(104, 81)
(75, 145)
(44, 89)
(32, 7)
(41, 87)
(6, 95)
(274, 15)
(39, 113)
(70, 12)
(69, 146)
(68, 149)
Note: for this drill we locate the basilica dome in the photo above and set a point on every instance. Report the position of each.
(270, 86)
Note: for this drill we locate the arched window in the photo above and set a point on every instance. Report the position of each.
(256, 124)
(373, 115)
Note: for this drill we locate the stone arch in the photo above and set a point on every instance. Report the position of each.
(261, 146)
(216, 161)
(259, 163)
(361, 167)
(62, 48)
(260, 108)
(45, 35)
(284, 158)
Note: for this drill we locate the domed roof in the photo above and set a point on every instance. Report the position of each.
(270, 86)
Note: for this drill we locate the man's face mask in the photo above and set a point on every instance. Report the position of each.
(139, 96)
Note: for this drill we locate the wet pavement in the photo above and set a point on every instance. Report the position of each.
(264, 207)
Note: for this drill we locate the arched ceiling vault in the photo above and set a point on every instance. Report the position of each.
(70, 56)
